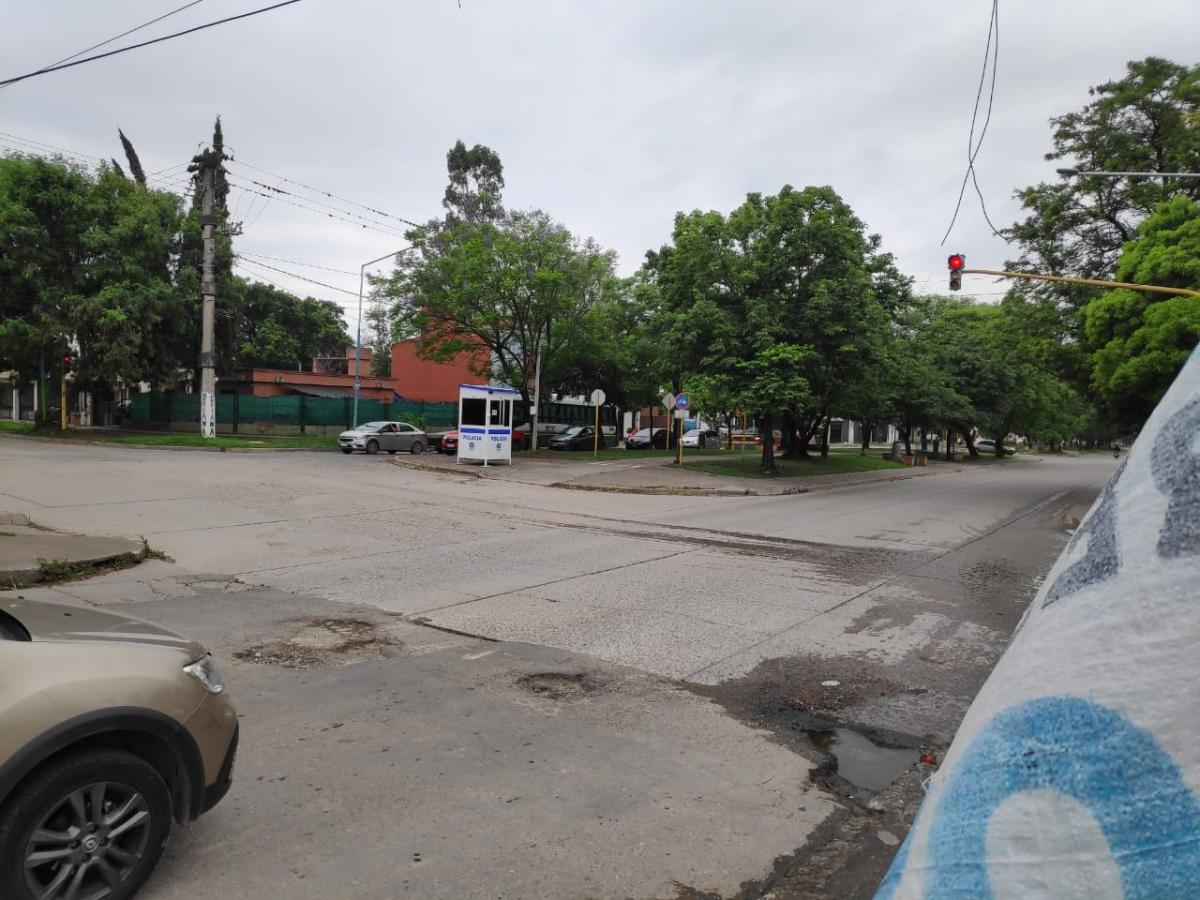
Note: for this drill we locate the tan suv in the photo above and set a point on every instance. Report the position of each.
(110, 727)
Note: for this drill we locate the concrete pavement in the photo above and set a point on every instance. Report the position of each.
(27, 551)
(902, 593)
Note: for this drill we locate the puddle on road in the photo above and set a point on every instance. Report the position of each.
(861, 761)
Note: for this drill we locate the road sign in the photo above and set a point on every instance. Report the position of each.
(597, 397)
(668, 401)
(683, 401)
(681, 413)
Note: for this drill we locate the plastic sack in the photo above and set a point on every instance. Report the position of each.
(1076, 771)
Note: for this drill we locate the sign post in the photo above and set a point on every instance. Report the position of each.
(597, 399)
(682, 402)
(668, 402)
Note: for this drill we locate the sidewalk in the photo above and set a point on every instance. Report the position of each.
(652, 475)
(27, 550)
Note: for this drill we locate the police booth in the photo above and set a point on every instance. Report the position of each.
(485, 422)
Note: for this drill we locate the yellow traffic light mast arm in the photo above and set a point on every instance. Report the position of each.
(1092, 282)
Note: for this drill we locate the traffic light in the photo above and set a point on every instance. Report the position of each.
(67, 360)
(955, 262)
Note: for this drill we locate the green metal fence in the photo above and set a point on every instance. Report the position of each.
(295, 411)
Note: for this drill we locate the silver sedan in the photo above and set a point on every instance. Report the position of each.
(372, 437)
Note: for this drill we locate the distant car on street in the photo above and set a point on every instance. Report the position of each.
(702, 439)
(647, 439)
(371, 437)
(577, 437)
(987, 445)
(110, 729)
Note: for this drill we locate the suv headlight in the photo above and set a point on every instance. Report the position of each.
(205, 669)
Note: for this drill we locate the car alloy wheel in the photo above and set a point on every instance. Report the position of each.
(417, 447)
(88, 843)
(89, 826)
(372, 447)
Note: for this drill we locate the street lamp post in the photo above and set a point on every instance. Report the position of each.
(1072, 173)
(362, 272)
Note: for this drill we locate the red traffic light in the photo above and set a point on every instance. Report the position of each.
(67, 359)
(956, 261)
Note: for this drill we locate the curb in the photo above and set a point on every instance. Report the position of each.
(129, 445)
(441, 470)
(18, 578)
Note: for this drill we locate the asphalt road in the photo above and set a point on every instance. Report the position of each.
(672, 641)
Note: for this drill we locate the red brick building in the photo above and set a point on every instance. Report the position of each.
(420, 379)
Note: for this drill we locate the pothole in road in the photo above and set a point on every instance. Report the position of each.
(319, 643)
(559, 685)
(861, 761)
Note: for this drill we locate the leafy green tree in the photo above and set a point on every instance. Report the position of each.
(508, 286)
(1141, 340)
(88, 268)
(278, 330)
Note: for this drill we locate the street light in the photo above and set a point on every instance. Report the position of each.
(1071, 173)
(362, 272)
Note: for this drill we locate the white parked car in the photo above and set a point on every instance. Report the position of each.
(702, 439)
(987, 445)
(371, 437)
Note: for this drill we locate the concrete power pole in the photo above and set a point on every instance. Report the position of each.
(207, 163)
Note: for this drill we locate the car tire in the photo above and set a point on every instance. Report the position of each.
(372, 447)
(44, 801)
(347, 450)
(417, 447)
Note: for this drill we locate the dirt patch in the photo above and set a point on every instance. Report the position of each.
(324, 643)
(559, 685)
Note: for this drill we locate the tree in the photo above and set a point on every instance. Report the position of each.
(788, 293)
(135, 164)
(507, 287)
(1139, 342)
(278, 330)
(1146, 121)
(88, 267)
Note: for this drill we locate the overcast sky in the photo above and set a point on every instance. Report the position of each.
(610, 114)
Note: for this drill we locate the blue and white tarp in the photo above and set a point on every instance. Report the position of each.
(1076, 771)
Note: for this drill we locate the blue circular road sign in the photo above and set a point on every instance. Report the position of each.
(682, 401)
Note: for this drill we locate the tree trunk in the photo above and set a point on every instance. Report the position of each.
(787, 424)
(825, 439)
(924, 437)
(729, 428)
(949, 444)
(908, 439)
(865, 438)
(768, 447)
(970, 445)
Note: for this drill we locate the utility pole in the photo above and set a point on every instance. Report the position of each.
(206, 165)
(537, 400)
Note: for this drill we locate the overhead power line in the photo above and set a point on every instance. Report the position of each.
(319, 212)
(991, 54)
(331, 196)
(250, 262)
(328, 206)
(296, 262)
(118, 37)
(157, 40)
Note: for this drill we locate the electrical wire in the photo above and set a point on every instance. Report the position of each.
(157, 40)
(991, 54)
(296, 262)
(331, 196)
(119, 36)
(319, 212)
(250, 262)
(320, 203)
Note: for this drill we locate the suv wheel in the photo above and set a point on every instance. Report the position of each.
(92, 824)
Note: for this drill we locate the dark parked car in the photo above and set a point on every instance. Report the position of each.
(577, 437)
(644, 440)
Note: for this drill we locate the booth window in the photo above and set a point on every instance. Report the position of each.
(500, 413)
(474, 411)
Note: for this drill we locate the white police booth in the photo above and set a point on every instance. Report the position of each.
(485, 417)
